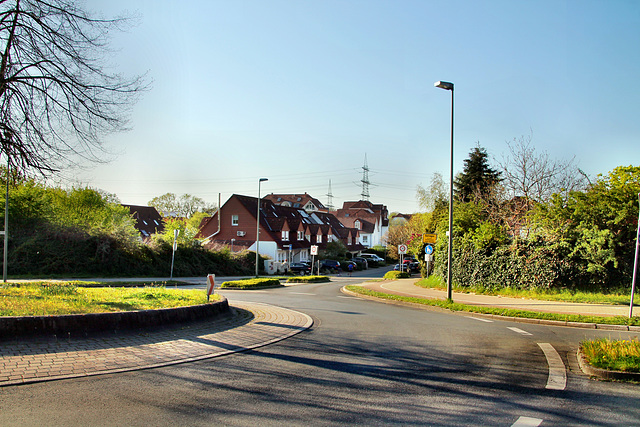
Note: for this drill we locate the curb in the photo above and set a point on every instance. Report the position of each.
(604, 373)
(10, 327)
(607, 327)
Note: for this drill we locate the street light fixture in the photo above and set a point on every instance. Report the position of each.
(260, 181)
(449, 86)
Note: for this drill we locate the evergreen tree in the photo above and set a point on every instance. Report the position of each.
(477, 177)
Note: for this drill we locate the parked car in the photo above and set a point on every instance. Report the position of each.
(363, 261)
(372, 257)
(300, 267)
(329, 264)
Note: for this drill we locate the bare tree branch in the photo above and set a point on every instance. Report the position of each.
(56, 98)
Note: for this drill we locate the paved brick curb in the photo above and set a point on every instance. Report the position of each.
(11, 327)
(250, 326)
(498, 317)
(604, 373)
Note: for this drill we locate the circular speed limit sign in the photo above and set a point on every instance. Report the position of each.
(402, 249)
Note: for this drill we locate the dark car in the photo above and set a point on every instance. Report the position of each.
(329, 264)
(300, 267)
(362, 261)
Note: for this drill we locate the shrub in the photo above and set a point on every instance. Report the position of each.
(393, 275)
(308, 279)
(251, 284)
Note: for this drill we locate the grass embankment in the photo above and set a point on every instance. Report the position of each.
(564, 295)
(308, 279)
(615, 355)
(248, 284)
(453, 306)
(57, 298)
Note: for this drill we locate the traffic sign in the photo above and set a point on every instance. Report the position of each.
(428, 249)
(314, 249)
(402, 249)
(429, 238)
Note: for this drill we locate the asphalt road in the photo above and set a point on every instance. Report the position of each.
(363, 362)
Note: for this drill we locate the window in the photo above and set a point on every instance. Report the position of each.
(365, 239)
(285, 235)
(234, 220)
(357, 225)
(300, 235)
(319, 238)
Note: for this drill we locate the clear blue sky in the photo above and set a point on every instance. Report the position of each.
(299, 91)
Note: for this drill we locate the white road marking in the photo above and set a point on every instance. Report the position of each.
(520, 331)
(302, 293)
(480, 319)
(527, 422)
(557, 372)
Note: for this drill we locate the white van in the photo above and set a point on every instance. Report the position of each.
(372, 257)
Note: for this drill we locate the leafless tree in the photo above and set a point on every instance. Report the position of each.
(57, 98)
(534, 176)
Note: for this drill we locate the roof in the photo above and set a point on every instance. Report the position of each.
(295, 201)
(148, 220)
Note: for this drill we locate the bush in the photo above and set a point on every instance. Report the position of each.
(393, 275)
(251, 284)
(308, 279)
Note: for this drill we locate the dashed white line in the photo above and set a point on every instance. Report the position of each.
(527, 422)
(557, 371)
(519, 331)
(479, 319)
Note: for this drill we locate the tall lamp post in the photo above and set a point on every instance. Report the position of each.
(449, 86)
(260, 181)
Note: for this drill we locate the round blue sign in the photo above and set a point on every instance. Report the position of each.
(428, 249)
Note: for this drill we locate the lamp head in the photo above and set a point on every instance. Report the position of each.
(444, 85)
(263, 179)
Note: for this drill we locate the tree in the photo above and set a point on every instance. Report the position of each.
(170, 205)
(477, 177)
(536, 177)
(56, 99)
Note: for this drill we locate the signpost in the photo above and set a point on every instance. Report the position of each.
(402, 249)
(314, 252)
(428, 257)
(211, 283)
(429, 238)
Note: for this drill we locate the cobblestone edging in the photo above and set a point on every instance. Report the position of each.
(604, 373)
(10, 327)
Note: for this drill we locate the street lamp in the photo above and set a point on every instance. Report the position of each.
(449, 86)
(260, 181)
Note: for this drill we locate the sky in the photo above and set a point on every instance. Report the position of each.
(300, 92)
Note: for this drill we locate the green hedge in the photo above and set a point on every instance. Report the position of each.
(251, 284)
(308, 279)
(393, 275)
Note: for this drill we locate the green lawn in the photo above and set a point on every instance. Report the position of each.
(57, 298)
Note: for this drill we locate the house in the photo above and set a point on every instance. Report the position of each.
(304, 201)
(148, 220)
(286, 233)
(371, 220)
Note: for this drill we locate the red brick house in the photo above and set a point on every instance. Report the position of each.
(286, 233)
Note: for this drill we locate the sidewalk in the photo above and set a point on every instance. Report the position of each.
(406, 287)
(252, 325)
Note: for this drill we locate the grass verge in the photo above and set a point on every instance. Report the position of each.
(564, 295)
(614, 355)
(58, 298)
(453, 306)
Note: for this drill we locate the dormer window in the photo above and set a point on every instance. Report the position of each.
(300, 235)
(357, 225)
(285, 235)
